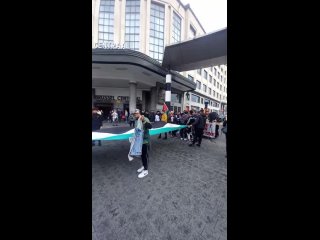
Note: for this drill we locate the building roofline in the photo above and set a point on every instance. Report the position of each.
(128, 56)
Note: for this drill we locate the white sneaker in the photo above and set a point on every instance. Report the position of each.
(143, 174)
(130, 158)
(185, 139)
(140, 169)
(181, 138)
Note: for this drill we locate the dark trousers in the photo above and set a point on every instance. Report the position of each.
(183, 132)
(226, 143)
(217, 130)
(165, 135)
(144, 156)
(198, 135)
(132, 123)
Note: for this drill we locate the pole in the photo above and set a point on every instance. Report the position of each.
(168, 91)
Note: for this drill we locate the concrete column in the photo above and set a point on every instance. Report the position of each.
(153, 96)
(132, 96)
(143, 101)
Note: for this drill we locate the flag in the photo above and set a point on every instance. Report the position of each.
(124, 133)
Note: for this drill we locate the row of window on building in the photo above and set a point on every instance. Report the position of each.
(197, 99)
(221, 77)
(132, 26)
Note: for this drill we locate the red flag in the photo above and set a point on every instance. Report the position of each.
(165, 108)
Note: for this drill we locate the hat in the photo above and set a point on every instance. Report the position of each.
(137, 111)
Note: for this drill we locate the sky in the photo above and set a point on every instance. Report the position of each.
(212, 14)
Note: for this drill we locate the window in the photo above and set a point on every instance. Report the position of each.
(210, 78)
(106, 18)
(215, 71)
(176, 98)
(205, 74)
(218, 75)
(209, 91)
(217, 85)
(211, 68)
(156, 40)
(195, 98)
(220, 87)
(214, 82)
(176, 30)
(199, 71)
(132, 29)
(204, 88)
(201, 100)
(190, 77)
(192, 32)
(199, 85)
(214, 93)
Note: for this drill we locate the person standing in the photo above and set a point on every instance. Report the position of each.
(115, 118)
(146, 142)
(164, 118)
(96, 123)
(183, 121)
(126, 113)
(198, 125)
(157, 117)
(224, 130)
(131, 120)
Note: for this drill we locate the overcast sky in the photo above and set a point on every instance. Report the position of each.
(212, 14)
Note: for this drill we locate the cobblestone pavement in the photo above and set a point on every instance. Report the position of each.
(183, 197)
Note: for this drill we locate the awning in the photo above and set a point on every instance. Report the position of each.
(205, 51)
(119, 66)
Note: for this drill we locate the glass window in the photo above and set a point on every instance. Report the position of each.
(199, 71)
(210, 78)
(215, 71)
(132, 33)
(199, 85)
(156, 39)
(106, 21)
(192, 32)
(176, 30)
(205, 74)
(214, 82)
(209, 91)
(204, 88)
(190, 77)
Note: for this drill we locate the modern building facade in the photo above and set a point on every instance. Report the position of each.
(121, 27)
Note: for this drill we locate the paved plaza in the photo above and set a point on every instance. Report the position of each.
(183, 197)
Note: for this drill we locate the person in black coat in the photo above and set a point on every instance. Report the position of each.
(96, 123)
(225, 131)
(198, 125)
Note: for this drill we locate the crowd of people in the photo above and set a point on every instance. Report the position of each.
(195, 122)
(193, 132)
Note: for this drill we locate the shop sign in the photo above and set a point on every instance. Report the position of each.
(109, 45)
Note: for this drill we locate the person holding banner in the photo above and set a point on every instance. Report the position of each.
(164, 118)
(146, 141)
